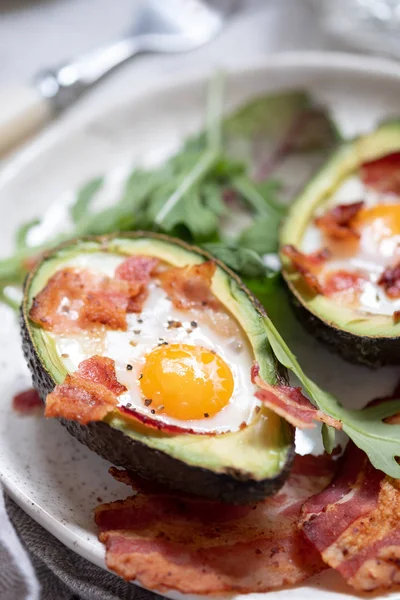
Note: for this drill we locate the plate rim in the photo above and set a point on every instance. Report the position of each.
(373, 66)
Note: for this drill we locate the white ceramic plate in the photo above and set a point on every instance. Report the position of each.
(50, 475)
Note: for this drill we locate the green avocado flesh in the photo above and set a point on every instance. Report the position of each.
(239, 467)
(359, 336)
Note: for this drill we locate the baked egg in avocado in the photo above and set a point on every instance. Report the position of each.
(340, 248)
(143, 347)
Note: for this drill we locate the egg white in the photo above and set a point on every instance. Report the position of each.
(371, 257)
(146, 331)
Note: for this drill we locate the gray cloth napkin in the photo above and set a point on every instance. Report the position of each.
(36, 566)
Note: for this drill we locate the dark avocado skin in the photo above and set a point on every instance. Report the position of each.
(361, 350)
(233, 486)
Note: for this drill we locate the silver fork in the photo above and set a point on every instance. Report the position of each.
(160, 26)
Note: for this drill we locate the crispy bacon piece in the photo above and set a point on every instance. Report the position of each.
(27, 402)
(98, 309)
(87, 395)
(138, 270)
(190, 287)
(343, 283)
(390, 281)
(383, 174)
(290, 403)
(75, 299)
(80, 400)
(337, 222)
(170, 541)
(355, 523)
(101, 369)
(308, 265)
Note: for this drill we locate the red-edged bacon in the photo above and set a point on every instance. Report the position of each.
(190, 287)
(290, 403)
(75, 299)
(390, 281)
(383, 174)
(308, 265)
(341, 281)
(87, 395)
(355, 523)
(337, 222)
(153, 423)
(170, 541)
(139, 270)
(80, 400)
(101, 369)
(27, 402)
(344, 286)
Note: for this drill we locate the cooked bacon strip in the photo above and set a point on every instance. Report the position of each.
(308, 265)
(341, 281)
(80, 400)
(190, 287)
(137, 269)
(27, 402)
(355, 523)
(383, 174)
(75, 299)
(337, 222)
(290, 403)
(98, 309)
(101, 369)
(176, 542)
(390, 281)
(139, 417)
(87, 395)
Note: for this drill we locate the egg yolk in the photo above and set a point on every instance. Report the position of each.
(384, 218)
(186, 382)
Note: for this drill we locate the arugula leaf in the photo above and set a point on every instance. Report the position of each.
(212, 198)
(170, 211)
(380, 441)
(201, 222)
(84, 198)
(264, 288)
(263, 236)
(243, 261)
(256, 197)
(269, 130)
(328, 437)
(22, 232)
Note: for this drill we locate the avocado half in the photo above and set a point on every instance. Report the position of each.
(361, 338)
(239, 467)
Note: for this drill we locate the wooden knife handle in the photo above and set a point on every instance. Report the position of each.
(23, 111)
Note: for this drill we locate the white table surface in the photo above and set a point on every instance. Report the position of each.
(40, 33)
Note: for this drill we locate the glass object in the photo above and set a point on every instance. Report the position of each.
(366, 24)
